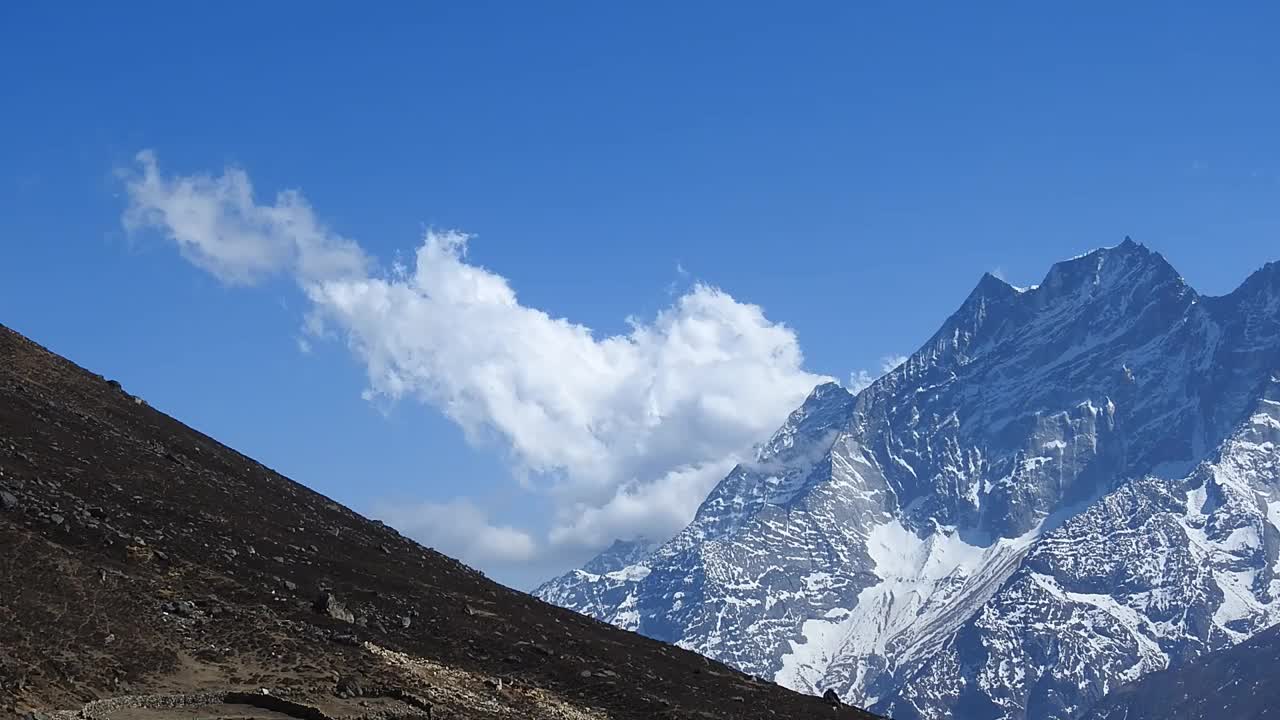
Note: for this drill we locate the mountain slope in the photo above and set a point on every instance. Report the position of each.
(142, 560)
(1238, 682)
(1068, 486)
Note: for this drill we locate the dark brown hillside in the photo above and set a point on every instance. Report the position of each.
(141, 558)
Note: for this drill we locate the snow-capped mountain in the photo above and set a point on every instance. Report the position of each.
(1067, 487)
(605, 586)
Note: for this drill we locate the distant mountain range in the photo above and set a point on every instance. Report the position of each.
(1067, 488)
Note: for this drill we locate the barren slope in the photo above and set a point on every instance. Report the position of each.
(139, 557)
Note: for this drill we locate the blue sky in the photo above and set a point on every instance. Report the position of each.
(850, 168)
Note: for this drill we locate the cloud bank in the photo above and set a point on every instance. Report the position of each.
(626, 433)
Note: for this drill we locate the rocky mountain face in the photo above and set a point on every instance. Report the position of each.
(1068, 487)
(146, 571)
(1237, 682)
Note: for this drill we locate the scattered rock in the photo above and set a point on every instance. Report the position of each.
(8, 501)
(328, 604)
(348, 687)
(181, 608)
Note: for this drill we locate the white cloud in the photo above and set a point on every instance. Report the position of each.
(607, 425)
(890, 362)
(626, 433)
(862, 378)
(218, 227)
(460, 529)
(653, 508)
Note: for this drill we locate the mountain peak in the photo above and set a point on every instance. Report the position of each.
(826, 391)
(826, 406)
(1263, 281)
(918, 547)
(619, 555)
(1125, 265)
(991, 284)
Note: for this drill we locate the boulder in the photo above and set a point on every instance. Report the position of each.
(328, 604)
(348, 687)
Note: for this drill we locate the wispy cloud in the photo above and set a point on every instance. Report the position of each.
(862, 378)
(217, 226)
(460, 528)
(626, 433)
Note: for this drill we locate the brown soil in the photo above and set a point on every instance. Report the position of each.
(139, 557)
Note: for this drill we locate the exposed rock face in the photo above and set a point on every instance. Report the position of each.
(1069, 486)
(1238, 682)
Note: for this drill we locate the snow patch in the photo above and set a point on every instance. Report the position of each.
(631, 573)
(911, 606)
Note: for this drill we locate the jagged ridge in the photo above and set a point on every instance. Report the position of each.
(1067, 487)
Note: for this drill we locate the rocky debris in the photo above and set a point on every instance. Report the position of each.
(328, 604)
(8, 501)
(348, 687)
(263, 700)
(181, 608)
